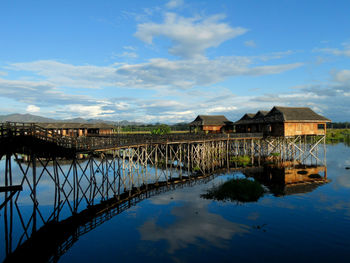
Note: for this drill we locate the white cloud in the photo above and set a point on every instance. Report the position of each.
(221, 109)
(186, 74)
(250, 43)
(69, 75)
(94, 111)
(2, 73)
(126, 54)
(190, 36)
(32, 109)
(174, 3)
(342, 76)
(37, 92)
(336, 51)
(131, 48)
(155, 74)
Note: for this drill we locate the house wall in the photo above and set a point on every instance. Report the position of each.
(275, 129)
(285, 129)
(243, 128)
(105, 131)
(295, 128)
(212, 128)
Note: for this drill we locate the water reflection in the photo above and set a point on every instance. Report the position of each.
(286, 180)
(193, 221)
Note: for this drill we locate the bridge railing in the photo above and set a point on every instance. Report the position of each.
(15, 129)
(83, 143)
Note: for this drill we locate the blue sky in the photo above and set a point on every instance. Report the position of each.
(168, 61)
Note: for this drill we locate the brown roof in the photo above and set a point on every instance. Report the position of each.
(210, 120)
(259, 117)
(285, 114)
(247, 118)
(261, 113)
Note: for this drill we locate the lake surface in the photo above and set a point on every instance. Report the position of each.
(311, 224)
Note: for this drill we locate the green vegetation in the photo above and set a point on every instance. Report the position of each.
(196, 169)
(148, 128)
(338, 135)
(161, 130)
(241, 160)
(338, 125)
(240, 190)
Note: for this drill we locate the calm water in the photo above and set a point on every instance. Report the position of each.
(180, 226)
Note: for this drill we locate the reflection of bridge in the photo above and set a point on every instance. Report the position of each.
(47, 238)
(56, 236)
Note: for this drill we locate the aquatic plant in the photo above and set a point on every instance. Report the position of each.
(241, 160)
(196, 169)
(241, 190)
(338, 135)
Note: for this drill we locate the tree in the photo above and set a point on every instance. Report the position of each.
(161, 129)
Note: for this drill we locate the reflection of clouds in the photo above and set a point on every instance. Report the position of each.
(279, 202)
(343, 180)
(347, 162)
(335, 206)
(253, 216)
(193, 222)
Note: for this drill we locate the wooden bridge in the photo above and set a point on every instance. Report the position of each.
(30, 134)
(89, 171)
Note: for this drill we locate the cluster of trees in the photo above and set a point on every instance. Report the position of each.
(338, 125)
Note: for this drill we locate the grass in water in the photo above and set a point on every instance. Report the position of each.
(241, 160)
(241, 190)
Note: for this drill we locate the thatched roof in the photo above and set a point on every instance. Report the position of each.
(210, 120)
(260, 113)
(259, 117)
(247, 118)
(283, 114)
(68, 125)
(293, 114)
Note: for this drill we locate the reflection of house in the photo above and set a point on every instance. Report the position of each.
(284, 121)
(78, 129)
(211, 124)
(289, 180)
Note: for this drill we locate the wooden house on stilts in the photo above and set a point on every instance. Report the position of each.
(211, 124)
(284, 122)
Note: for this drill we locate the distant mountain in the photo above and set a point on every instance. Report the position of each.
(24, 118)
(16, 117)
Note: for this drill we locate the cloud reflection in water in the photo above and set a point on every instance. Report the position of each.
(193, 222)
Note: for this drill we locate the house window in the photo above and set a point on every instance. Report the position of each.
(320, 126)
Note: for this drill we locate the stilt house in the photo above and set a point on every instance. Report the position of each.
(211, 124)
(284, 121)
(79, 129)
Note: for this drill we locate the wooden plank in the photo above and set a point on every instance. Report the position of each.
(11, 188)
